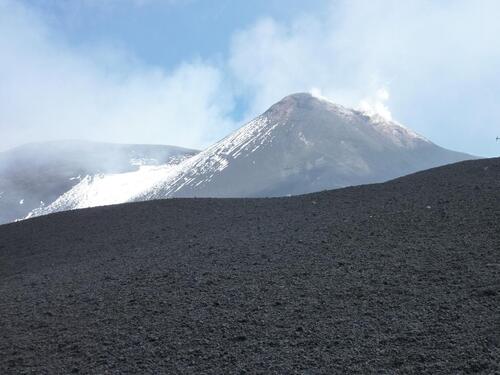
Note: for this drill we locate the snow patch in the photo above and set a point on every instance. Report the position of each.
(100, 190)
(202, 167)
(143, 161)
(304, 140)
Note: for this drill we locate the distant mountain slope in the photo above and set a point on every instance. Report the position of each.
(41, 172)
(301, 144)
(393, 278)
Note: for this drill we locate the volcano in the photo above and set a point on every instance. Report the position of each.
(302, 144)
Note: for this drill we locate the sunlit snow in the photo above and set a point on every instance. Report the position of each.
(103, 190)
(163, 181)
(143, 161)
(202, 167)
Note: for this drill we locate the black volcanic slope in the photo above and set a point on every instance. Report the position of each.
(400, 277)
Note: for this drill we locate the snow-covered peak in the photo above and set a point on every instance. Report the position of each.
(300, 144)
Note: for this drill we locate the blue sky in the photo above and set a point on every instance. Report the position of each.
(165, 32)
(188, 72)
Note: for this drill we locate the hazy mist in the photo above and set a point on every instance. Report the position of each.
(430, 65)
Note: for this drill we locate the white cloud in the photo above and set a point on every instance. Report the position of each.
(375, 105)
(50, 90)
(271, 60)
(439, 59)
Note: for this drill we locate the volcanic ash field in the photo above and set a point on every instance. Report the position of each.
(400, 277)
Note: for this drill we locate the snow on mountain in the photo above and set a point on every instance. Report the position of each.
(42, 172)
(301, 144)
(100, 189)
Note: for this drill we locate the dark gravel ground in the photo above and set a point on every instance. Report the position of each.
(401, 277)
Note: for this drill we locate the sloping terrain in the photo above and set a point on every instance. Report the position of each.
(302, 144)
(399, 277)
(36, 174)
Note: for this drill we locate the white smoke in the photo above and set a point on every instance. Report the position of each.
(377, 104)
(441, 59)
(50, 89)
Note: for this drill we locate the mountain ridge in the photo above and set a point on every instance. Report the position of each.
(36, 174)
(300, 144)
